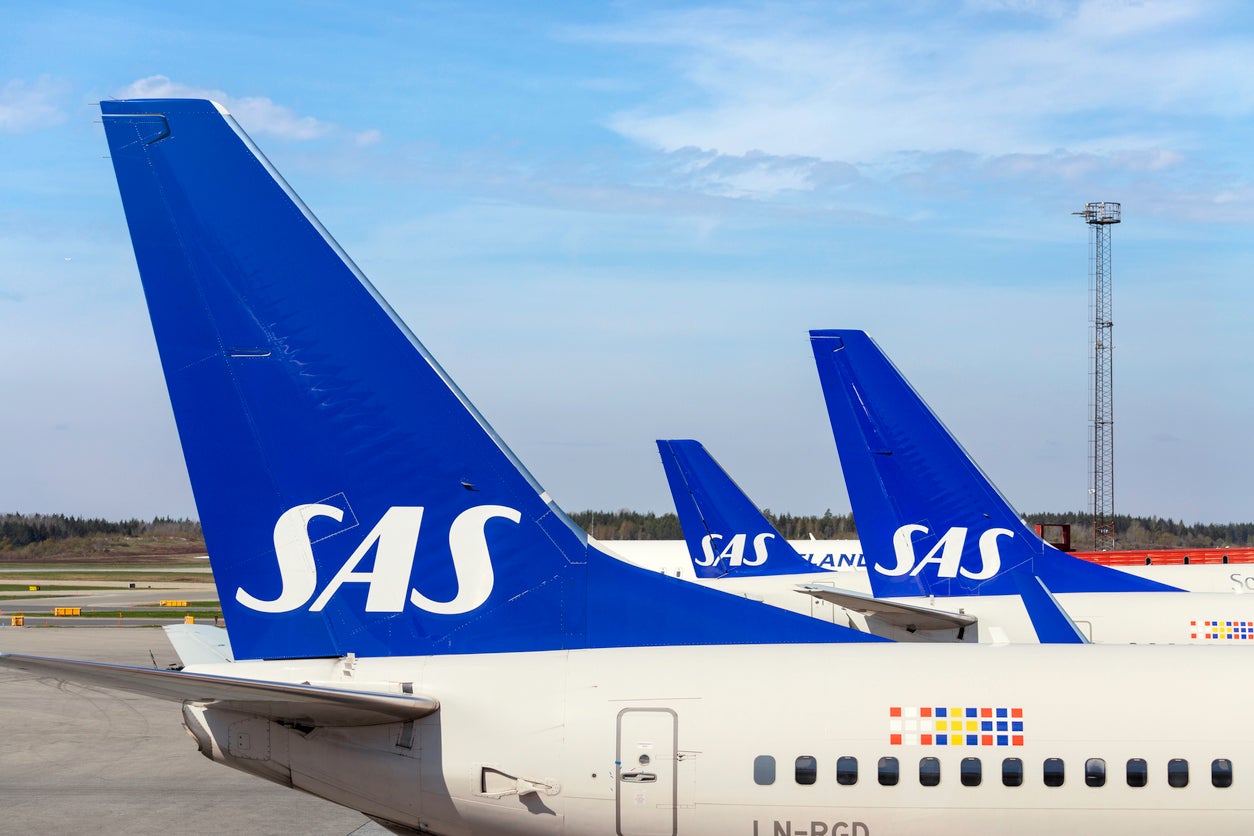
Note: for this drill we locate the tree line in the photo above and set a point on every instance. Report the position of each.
(20, 530)
(1130, 532)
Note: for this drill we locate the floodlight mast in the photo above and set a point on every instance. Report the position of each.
(1100, 217)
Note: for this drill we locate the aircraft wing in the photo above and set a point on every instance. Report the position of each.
(281, 701)
(907, 616)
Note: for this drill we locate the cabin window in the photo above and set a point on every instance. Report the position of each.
(1054, 772)
(1221, 772)
(889, 772)
(1012, 772)
(1138, 772)
(807, 769)
(1095, 772)
(847, 771)
(929, 772)
(764, 770)
(1177, 772)
(970, 772)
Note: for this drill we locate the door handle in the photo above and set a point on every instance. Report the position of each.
(639, 777)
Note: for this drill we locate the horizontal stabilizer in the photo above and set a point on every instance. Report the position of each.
(279, 701)
(199, 644)
(906, 616)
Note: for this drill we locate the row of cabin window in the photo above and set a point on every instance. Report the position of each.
(970, 771)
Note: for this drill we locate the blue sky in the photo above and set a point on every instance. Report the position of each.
(614, 223)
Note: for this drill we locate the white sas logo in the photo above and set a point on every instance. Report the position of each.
(946, 554)
(734, 551)
(395, 539)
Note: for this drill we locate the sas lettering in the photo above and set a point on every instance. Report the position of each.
(395, 541)
(946, 554)
(812, 828)
(734, 552)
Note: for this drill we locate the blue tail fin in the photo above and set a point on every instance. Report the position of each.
(929, 520)
(352, 499)
(727, 535)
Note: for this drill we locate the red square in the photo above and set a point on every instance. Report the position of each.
(894, 739)
(1016, 712)
(926, 711)
(1194, 636)
(925, 739)
(986, 712)
(1192, 623)
(986, 740)
(1016, 740)
(895, 711)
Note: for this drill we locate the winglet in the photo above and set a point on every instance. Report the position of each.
(726, 534)
(930, 522)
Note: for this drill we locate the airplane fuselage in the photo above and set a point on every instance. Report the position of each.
(759, 741)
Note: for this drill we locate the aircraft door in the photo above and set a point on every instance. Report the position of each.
(646, 776)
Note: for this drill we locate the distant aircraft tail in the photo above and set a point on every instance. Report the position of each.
(352, 499)
(725, 532)
(930, 522)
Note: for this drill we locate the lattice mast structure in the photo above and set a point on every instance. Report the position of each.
(1101, 217)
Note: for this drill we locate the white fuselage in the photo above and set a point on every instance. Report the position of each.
(671, 557)
(718, 740)
(1216, 596)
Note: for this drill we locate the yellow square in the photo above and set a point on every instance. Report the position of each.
(956, 739)
(973, 725)
(956, 712)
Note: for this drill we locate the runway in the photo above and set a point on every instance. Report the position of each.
(74, 758)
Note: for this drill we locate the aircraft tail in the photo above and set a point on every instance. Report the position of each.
(930, 521)
(352, 498)
(726, 534)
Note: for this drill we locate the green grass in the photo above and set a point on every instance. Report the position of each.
(167, 612)
(121, 575)
(162, 612)
(75, 587)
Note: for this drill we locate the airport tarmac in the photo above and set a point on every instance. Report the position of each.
(74, 758)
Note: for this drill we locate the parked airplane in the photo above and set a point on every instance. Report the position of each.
(934, 527)
(736, 549)
(419, 632)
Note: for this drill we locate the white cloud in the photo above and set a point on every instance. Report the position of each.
(29, 106)
(256, 114)
(860, 92)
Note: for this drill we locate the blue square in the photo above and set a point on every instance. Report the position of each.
(972, 712)
(1003, 725)
(942, 739)
(1017, 725)
(1003, 740)
(973, 740)
(940, 712)
(986, 725)
(1002, 712)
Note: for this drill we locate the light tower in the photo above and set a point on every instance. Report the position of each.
(1100, 217)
